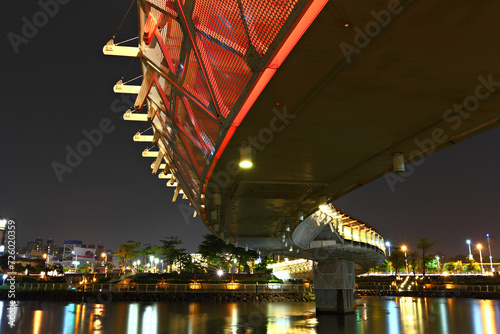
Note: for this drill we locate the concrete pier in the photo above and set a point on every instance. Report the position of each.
(334, 284)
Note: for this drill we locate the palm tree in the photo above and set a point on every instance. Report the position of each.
(425, 244)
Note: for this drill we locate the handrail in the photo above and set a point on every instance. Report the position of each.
(352, 231)
(232, 287)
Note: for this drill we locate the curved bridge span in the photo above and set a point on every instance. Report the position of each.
(321, 97)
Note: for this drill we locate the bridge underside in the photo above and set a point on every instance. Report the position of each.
(398, 91)
(365, 81)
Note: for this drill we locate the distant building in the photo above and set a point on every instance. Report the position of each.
(69, 247)
(51, 248)
(3, 223)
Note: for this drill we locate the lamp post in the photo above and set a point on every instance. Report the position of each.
(388, 245)
(439, 266)
(76, 260)
(161, 265)
(479, 246)
(151, 259)
(156, 262)
(105, 256)
(470, 251)
(491, 258)
(403, 248)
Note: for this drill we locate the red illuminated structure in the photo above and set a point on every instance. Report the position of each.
(337, 94)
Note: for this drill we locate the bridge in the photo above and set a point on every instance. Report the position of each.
(264, 112)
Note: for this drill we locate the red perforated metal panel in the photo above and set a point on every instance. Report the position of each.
(172, 37)
(194, 81)
(265, 19)
(221, 20)
(227, 71)
(167, 5)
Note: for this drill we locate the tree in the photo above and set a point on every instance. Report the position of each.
(413, 258)
(85, 268)
(397, 260)
(169, 249)
(148, 252)
(19, 268)
(4, 261)
(264, 261)
(450, 266)
(383, 267)
(425, 245)
(59, 269)
(109, 266)
(29, 268)
(472, 266)
(127, 252)
(218, 254)
(459, 267)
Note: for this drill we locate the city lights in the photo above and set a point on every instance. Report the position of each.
(479, 246)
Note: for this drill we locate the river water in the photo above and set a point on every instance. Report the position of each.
(373, 315)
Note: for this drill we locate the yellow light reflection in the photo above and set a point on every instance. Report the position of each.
(37, 321)
(233, 311)
(489, 317)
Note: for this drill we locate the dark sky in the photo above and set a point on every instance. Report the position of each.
(59, 84)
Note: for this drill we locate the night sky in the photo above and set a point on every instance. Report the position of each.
(59, 84)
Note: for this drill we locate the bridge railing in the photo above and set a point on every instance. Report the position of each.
(350, 230)
(171, 288)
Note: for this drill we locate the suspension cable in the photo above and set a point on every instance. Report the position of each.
(126, 14)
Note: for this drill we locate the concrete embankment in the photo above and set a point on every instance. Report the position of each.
(104, 297)
(445, 294)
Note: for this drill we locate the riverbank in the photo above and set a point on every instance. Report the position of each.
(105, 297)
(435, 293)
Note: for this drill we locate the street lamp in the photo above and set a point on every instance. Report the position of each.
(388, 245)
(403, 248)
(105, 256)
(470, 251)
(439, 266)
(491, 258)
(479, 246)
(156, 262)
(161, 265)
(76, 260)
(151, 258)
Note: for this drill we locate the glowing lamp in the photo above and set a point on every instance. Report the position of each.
(246, 156)
(322, 203)
(398, 162)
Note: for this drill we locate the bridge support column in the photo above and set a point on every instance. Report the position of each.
(334, 284)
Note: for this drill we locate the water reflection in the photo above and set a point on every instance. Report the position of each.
(373, 315)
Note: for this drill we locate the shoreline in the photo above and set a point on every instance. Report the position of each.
(106, 297)
(430, 294)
